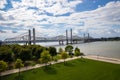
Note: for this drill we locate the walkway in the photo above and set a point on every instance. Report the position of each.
(33, 67)
(99, 58)
(105, 59)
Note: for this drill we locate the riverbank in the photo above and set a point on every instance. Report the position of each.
(76, 69)
(98, 58)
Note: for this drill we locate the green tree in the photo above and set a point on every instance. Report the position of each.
(19, 64)
(38, 52)
(16, 50)
(60, 50)
(6, 54)
(3, 67)
(52, 51)
(25, 54)
(69, 48)
(64, 55)
(33, 48)
(77, 51)
(45, 57)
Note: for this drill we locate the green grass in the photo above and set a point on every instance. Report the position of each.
(79, 69)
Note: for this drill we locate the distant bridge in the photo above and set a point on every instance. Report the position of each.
(29, 38)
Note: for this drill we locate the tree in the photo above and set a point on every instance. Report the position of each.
(60, 50)
(64, 55)
(6, 54)
(45, 57)
(16, 50)
(52, 51)
(77, 51)
(3, 67)
(33, 48)
(69, 48)
(25, 54)
(19, 64)
(38, 52)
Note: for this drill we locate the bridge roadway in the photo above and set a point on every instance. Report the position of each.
(37, 41)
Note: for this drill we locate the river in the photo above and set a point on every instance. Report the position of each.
(102, 48)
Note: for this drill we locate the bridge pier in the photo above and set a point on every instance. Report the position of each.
(84, 40)
(88, 38)
(61, 42)
(75, 41)
(26, 43)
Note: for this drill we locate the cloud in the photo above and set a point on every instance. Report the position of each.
(2, 4)
(100, 22)
(1, 31)
(55, 7)
(1, 18)
(51, 17)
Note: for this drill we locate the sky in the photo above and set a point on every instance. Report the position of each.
(99, 18)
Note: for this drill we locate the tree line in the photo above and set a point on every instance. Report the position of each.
(17, 56)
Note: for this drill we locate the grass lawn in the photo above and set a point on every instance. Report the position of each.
(79, 69)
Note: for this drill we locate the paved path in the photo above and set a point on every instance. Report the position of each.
(32, 67)
(105, 59)
(99, 58)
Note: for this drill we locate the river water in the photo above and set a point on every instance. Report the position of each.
(102, 48)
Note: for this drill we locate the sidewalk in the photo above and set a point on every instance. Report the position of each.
(99, 58)
(33, 67)
(105, 59)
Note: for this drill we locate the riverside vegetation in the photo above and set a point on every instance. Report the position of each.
(17, 56)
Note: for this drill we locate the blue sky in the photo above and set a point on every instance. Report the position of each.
(100, 18)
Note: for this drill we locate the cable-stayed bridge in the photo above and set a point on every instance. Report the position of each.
(31, 37)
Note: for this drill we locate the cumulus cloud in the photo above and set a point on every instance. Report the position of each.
(100, 21)
(2, 3)
(43, 15)
(55, 7)
(1, 31)
(1, 18)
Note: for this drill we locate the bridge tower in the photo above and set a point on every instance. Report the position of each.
(29, 37)
(34, 36)
(71, 36)
(66, 37)
(84, 37)
(88, 37)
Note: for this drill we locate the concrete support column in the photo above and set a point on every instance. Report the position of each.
(71, 36)
(61, 42)
(29, 37)
(76, 41)
(84, 37)
(66, 37)
(88, 37)
(34, 36)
